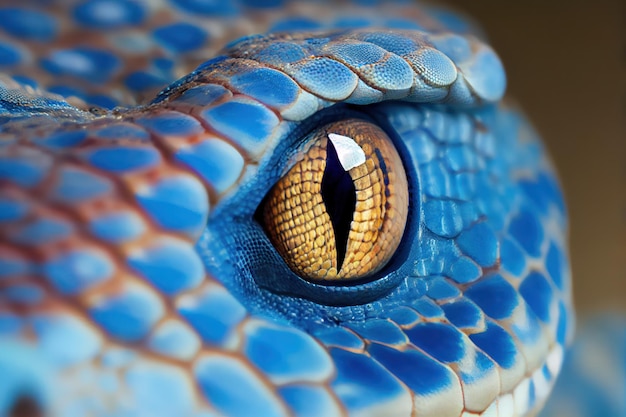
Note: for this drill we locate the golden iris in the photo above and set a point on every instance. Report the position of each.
(339, 213)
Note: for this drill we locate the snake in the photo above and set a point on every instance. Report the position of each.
(271, 208)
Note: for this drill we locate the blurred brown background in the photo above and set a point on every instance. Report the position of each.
(566, 65)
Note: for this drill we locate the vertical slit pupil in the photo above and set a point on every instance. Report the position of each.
(339, 195)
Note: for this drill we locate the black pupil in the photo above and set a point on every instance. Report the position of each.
(339, 195)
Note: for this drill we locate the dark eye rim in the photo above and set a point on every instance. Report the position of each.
(369, 288)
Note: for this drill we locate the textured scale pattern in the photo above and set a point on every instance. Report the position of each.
(135, 281)
(593, 379)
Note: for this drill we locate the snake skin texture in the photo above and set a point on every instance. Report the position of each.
(138, 139)
(593, 380)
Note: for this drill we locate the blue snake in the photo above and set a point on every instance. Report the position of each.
(147, 263)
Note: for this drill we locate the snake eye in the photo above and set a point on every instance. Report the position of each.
(339, 213)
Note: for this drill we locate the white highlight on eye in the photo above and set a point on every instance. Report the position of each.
(349, 152)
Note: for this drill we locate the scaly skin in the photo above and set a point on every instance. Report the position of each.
(136, 280)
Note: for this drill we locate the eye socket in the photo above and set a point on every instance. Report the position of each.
(339, 213)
